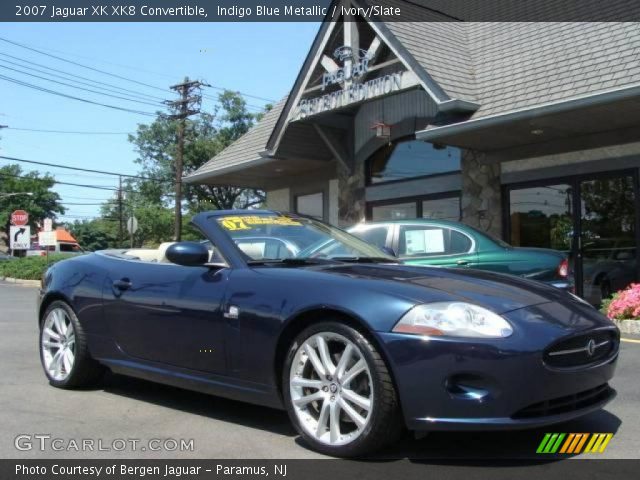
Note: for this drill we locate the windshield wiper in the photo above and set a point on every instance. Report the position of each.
(292, 261)
(364, 259)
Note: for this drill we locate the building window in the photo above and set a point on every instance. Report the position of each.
(409, 159)
(311, 205)
(397, 211)
(441, 207)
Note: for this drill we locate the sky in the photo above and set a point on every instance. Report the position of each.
(258, 59)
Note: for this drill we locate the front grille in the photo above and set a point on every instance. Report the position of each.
(570, 403)
(582, 350)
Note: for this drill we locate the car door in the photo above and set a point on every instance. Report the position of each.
(167, 313)
(433, 244)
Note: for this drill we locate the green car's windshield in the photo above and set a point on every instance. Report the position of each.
(276, 237)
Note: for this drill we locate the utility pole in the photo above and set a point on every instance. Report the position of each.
(120, 219)
(188, 104)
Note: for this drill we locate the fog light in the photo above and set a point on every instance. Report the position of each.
(468, 387)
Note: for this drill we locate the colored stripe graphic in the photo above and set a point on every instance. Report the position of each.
(598, 442)
(550, 443)
(574, 443)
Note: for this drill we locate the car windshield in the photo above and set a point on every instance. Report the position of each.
(276, 237)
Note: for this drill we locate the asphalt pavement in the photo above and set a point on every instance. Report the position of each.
(155, 421)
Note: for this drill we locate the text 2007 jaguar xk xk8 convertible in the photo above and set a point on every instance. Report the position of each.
(355, 346)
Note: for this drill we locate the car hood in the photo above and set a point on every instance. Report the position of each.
(497, 292)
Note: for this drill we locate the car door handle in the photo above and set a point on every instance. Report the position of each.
(122, 284)
(462, 262)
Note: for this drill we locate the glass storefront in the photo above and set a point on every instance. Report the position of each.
(398, 211)
(410, 159)
(440, 208)
(542, 217)
(594, 220)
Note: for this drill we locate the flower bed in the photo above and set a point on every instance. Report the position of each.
(624, 308)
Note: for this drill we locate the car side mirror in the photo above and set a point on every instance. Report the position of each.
(188, 254)
(388, 251)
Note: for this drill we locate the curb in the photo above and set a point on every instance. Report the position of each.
(19, 281)
(628, 326)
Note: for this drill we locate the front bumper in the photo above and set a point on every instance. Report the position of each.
(473, 384)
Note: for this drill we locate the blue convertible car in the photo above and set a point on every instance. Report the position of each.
(355, 346)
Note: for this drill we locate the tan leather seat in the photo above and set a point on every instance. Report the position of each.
(162, 252)
(144, 254)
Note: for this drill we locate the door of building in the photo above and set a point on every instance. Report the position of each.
(594, 219)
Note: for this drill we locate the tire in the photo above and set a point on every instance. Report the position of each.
(327, 423)
(66, 344)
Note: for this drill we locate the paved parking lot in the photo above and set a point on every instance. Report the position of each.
(132, 409)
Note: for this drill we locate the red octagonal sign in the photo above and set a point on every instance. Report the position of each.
(19, 218)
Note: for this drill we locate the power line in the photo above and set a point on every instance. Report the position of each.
(23, 177)
(74, 76)
(270, 100)
(256, 107)
(104, 61)
(53, 92)
(79, 88)
(66, 131)
(215, 87)
(57, 165)
(81, 65)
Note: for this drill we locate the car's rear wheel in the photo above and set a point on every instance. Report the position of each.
(63, 349)
(338, 391)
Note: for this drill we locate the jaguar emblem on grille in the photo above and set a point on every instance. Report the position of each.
(591, 347)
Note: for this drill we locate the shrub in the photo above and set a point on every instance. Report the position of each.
(624, 305)
(29, 268)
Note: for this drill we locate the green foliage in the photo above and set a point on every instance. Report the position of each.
(151, 199)
(93, 235)
(29, 268)
(604, 306)
(205, 136)
(42, 204)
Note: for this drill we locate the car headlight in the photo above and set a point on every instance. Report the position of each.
(458, 319)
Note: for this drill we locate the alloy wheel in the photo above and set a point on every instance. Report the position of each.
(58, 344)
(331, 388)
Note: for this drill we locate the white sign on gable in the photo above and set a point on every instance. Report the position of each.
(350, 68)
(357, 92)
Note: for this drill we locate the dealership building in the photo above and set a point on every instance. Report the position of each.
(528, 131)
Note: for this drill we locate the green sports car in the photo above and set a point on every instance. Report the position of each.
(453, 244)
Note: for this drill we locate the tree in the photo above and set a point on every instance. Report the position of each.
(43, 203)
(93, 235)
(205, 137)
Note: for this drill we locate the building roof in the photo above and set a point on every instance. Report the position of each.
(500, 66)
(64, 236)
(506, 66)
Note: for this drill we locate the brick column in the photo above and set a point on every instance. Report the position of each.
(351, 195)
(481, 193)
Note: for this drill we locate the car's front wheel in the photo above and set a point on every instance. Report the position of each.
(338, 391)
(64, 352)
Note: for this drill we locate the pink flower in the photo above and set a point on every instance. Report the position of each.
(625, 304)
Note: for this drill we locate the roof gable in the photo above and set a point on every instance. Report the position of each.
(352, 52)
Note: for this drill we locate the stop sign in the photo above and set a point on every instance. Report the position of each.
(19, 218)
